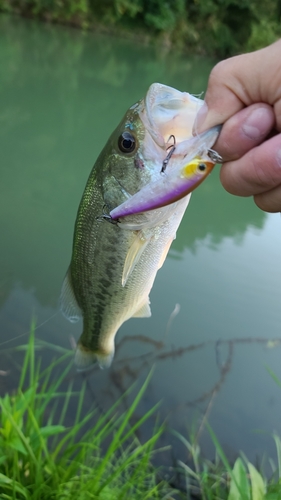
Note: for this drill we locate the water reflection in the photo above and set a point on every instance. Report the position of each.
(61, 94)
(214, 215)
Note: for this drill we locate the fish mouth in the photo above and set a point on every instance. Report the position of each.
(169, 112)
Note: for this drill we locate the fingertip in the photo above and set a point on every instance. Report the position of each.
(227, 179)
(206, 119)
(222, 99)
(199, 119)
(270, 201)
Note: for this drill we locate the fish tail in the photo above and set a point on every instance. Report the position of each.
(85, 358)
(105, 361)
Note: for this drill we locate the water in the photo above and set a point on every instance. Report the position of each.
(61, 94)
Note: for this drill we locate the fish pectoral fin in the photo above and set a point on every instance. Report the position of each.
(133, 256)
(68, 303)
(165, 252)
(144, 311)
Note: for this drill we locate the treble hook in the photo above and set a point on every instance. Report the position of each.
(214, 156)
(172, 150)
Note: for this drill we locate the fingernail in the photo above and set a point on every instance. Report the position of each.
(256, 124)
(200, 118)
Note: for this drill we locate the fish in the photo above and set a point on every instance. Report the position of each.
(114, 262)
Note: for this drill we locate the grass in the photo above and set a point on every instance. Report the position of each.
(218, 480)
(99, 456)
(40, 458)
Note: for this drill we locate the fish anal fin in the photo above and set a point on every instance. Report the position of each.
(165, 252)
(133, 256)
(144, 311)
(68, 303)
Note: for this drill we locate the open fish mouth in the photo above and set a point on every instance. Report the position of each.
(167, 111)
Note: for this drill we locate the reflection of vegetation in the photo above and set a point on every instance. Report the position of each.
(125, 370)
(213, 215)
(219, 27)
(42, 459)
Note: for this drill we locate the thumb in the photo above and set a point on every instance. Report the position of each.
(238, 82)
(216, 109)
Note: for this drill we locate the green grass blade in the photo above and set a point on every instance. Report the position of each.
(258, 486)
(278, 450)
(116, 438)
(241, 479)
(225, 461)
(29, 354)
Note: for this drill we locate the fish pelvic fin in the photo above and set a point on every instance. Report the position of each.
(68, 302)
(135, 251)
(85, 358)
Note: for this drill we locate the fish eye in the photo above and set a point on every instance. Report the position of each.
(202, 167)
(127, 142)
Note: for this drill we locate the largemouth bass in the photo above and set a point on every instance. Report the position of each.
(114, 263)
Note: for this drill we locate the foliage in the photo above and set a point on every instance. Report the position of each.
(217, 480)
(218, 27)
(40, 458)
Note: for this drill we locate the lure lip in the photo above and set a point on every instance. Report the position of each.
(172, 185)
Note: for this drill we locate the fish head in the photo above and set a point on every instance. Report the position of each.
(134, 154)
(168, 147)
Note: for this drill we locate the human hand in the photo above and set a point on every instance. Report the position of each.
(244, 93)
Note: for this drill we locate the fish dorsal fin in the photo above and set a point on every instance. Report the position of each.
(133, 256)
(144, 311)
(68, 303)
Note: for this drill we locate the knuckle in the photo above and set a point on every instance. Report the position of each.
(218, 71)
(224, 68)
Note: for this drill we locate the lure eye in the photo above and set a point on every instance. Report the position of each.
(127, 142)
(202, 167)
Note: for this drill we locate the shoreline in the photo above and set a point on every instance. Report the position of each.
(213, 33)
